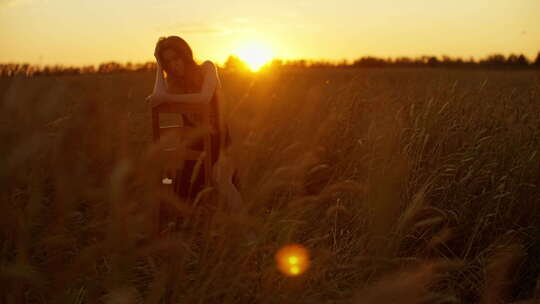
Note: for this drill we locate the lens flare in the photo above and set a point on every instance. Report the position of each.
(292, 260)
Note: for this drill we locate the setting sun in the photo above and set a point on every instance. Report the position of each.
(255, 54)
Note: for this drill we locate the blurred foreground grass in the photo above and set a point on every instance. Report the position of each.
(409, 186)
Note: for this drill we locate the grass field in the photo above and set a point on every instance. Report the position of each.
(404, 186)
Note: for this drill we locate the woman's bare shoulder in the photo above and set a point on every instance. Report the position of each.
(210, 70)
(208, 65)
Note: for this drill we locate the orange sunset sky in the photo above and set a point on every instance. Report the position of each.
(78, 32)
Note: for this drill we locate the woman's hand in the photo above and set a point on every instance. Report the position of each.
(156, 99)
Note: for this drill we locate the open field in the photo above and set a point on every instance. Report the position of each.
(409, 184)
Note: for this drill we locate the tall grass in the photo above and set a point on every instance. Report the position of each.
(404, 185)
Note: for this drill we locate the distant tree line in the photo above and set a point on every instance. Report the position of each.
(234, 63)
(491, 61)
(12, 69)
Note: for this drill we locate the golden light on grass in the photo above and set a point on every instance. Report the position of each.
(292, 260)
(254, 53)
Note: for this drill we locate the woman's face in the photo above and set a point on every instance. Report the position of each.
(172, 62)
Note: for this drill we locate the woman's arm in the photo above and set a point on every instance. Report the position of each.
(210, 82)
(160, 86)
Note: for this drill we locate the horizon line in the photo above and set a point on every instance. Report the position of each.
(327, 60)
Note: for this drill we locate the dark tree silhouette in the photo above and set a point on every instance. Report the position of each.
(233, 63)
(110, 67)
(537, 61)
(496, 59)
(370, 62)
(515, 60)
(433, 61)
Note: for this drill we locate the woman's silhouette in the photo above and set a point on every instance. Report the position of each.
(188, 82)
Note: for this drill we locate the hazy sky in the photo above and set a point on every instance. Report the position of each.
(93, 31)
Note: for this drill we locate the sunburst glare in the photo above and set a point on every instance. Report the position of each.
(254, 53)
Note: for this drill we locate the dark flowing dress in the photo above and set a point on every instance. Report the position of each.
(220, 140)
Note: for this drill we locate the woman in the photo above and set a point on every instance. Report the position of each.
(188, 82)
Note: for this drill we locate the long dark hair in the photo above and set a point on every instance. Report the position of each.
(191, 81)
